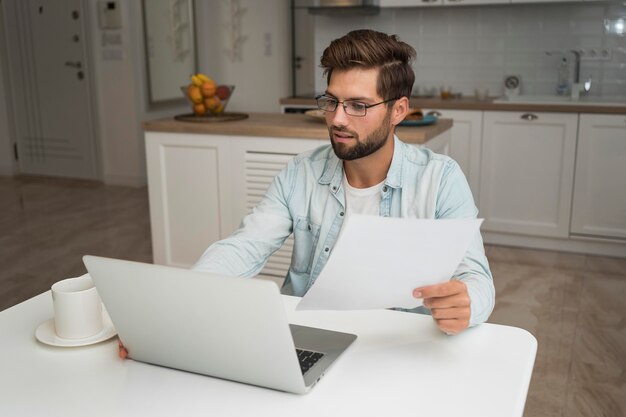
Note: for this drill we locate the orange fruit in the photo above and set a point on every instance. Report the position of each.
(199, 109)
(194, 94)
(212, 103)
(208, 89)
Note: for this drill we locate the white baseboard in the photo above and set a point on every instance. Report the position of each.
(575, 244)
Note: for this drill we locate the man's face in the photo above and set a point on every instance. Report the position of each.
(355, 137)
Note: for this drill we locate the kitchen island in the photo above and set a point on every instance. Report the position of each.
(204, 177)
(278, 125)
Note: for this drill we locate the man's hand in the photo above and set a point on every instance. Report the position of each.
(449, 304)
(122, 352)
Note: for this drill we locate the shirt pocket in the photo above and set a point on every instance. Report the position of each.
(306, 235)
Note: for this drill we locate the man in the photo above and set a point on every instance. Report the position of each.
(367, 170)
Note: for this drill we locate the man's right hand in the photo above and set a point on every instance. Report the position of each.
(122, 352)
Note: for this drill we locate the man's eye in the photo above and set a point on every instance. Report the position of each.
(356, 105)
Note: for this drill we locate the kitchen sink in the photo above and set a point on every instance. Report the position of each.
(564, 100)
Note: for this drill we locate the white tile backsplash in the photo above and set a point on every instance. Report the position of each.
(470, 47)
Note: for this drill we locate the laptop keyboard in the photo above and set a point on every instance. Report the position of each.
(307, 359)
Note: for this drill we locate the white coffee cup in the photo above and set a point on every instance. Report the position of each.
(77, 308)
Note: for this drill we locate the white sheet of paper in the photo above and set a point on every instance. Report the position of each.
(378, 261)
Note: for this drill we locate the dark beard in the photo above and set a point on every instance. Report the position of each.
(371, 144)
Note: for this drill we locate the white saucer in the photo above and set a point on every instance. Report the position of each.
(46, 333)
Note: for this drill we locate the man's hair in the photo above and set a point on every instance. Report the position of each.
(371, 49)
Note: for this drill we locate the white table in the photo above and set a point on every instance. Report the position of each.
(400, 365)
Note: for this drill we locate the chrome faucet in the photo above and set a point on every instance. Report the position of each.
(577, 86)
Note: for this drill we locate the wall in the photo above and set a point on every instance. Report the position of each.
(122, 98)
(261, 73)
(261, 76)
(469, 47)
(116, 99)
(261, 79)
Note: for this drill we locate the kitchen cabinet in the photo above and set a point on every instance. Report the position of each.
(440, 144)
(465, 142)
(599, 202)
(201, 186)
(203, 178)
(255, 163)
(527, 171)
(189, 194)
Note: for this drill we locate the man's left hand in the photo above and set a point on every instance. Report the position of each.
(449, 304)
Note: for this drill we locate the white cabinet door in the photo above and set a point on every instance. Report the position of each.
(440, 144)
(527, 170)
(255, 163)
(465, 142)
(188, 192)
(599, 203)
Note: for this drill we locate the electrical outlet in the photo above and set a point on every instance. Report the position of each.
(596, 54)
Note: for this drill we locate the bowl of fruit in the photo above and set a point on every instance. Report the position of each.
(208, 99)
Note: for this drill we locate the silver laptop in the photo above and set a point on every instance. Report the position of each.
(225, 327)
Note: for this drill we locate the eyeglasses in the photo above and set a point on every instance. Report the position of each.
(351, 107)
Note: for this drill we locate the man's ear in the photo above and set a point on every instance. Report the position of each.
(399, 110)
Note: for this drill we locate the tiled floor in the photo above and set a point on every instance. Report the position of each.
(575, 305)
(47, 225)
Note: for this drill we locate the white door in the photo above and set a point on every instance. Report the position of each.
(50, 88)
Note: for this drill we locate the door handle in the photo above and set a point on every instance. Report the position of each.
(76, 64)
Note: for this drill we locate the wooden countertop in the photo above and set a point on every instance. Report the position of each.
(281, 125)
(471, 103)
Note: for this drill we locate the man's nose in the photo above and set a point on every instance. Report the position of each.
(339, 116)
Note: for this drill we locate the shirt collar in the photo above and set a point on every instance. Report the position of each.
(394, 175)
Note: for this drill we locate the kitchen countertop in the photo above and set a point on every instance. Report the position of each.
(471, 103)
(281, 125)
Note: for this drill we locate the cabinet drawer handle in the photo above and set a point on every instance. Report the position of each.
(529, 116)
(433, 113)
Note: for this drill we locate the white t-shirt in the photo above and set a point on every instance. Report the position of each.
(362, 200)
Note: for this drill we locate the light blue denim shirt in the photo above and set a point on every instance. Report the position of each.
(307, 199)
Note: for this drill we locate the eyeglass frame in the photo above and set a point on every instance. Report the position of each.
(343, 103)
